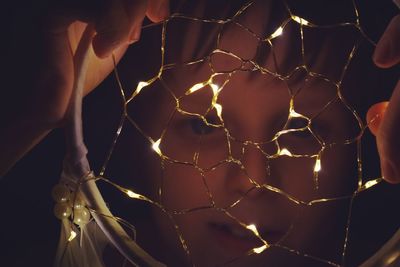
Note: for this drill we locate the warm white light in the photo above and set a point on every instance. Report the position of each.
(218, 108)
(252, 228)
(156, 146)
(260, 249)
(277, 33)
(195, 88)
(72, 235)
(140, 86)
(132, 194)
(214, 88)
(300, 20)
(294, 114)
(285, 152)
(371, 183)
(317, 166)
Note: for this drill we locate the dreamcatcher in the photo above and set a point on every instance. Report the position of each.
(244, 139)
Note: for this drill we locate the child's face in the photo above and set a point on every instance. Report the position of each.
(247, 166)
(220, 170)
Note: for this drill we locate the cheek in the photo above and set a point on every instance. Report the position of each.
(294, 176)
(338, 176)
(183, 187)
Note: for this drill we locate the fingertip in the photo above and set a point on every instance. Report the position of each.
(387, 52)
(158, 10)
(104, 45)
(163, 11)
(134, 35)
(375, 115)
(389, 172)
(99, 48)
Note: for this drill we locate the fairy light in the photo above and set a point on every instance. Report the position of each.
(156, 147)
(285, 152)
(72, 235)
(196, 87)
(218, 108)
(277, 32)
(214, 88)
(294, 114)
(253, 228)
(370, 184)
(132, 194)
(317, 166)
(299, 20)
(139, 87)
(260, 249)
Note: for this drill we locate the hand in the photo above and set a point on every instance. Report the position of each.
(385, 116)
(47, 72)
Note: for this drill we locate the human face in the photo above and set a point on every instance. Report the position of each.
(249, 160)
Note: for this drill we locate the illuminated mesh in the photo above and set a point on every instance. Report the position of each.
(246, 118)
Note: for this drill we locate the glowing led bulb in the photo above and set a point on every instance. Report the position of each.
(260, 249)
(285, 152)
(300, 20)
(156, 146)
(277, 33)
(317, 166)
(72, 235)
(215, 88)
(140, 86)
(218, 108)
(252, 228)
(132, 194)
(195, 88)
(371, 183)
(294, 114)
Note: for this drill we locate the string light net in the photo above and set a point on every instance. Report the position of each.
(241, 138)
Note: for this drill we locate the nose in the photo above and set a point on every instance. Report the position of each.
(249, 171)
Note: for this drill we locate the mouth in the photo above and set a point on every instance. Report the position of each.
(238, 239)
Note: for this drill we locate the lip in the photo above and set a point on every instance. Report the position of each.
(238, 240)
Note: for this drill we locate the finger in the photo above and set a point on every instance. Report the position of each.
(388, 140)
(387, 51)
(375, 115)
(157, 10)
(136, 10)
(114, 27)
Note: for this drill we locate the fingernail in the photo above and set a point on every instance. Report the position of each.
(389, 172)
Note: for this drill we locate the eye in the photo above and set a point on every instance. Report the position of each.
(298, 123)
(199, 127)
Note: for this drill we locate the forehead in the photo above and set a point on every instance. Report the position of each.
(254, 37)
(236, 48)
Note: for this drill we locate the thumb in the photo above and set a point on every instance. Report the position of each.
(384, 122)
